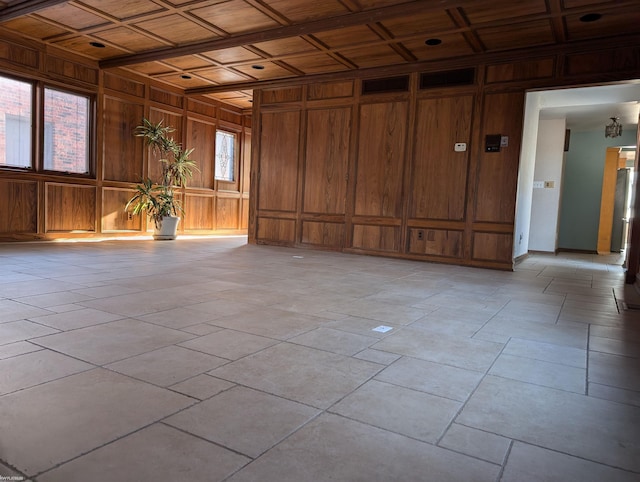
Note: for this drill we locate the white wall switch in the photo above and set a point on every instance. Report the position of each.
(504, 141)
(460, 146)
(549, 184)
(538, 184)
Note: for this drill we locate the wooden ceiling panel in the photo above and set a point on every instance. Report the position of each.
(184, 83)
(517, 35)
(271, 71)
(584, 3)
(221, 75)
(423, 23)
(188, 62)
(152, 68)
(347, 37)
(34, 28)
(316, 63)
(232, 55)
(128, 39)
(239, 99)
(453, 45)
(377, 56)
(482, 12)
(71, 16)
(176, 29)
(123, 9)
(369, 4)
(287, 46)
(625, 22)
(80, 45)
(305, 10)
(234, 17)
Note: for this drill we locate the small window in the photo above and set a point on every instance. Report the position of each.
(15, 123)
(225, 156)
(66, 132)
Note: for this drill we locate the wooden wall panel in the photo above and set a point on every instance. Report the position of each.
(201, 137)
(70, 208)
(436, 242)
(498, 171)
(530, 69)
(274, 96)
(438, 182)
(227, 210)
(245, 186)
(122, 152)
(18, 206)
(329, 90)
(199, 214)
(323, 234)
(125, 86)
(493, 247)
(276, 230)
(376, 238)
(326, 160)
(382, 139)
(278, 170)
(244, 214)
(114, 217)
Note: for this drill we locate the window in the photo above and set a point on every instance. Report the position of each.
(15, 123)
(66, 132)
(225, 156)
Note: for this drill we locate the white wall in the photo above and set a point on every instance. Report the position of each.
(525, 174)
(545, 205)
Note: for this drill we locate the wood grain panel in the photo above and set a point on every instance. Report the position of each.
(198, 212)
(230, 116)
(376, 238)
(330, 90)
(326, 160)
(165, 97)
(19, 54)
(18, 206)
(274, 96)
(492, 247)
(607, 61)
(114, 218)
(277, 230)
(125, 86)
(122, 152)
(381, 156)
(495, 195)
(246, 163)
(330, 235)
(532, 69)
(70, 208)
(437, 242)
(278, 170)
(227, 210)
(201, 108)
(438, 182)
(71, 70)
(244, 218)
(154, 168)
(201, 137)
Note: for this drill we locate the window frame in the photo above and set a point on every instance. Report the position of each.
(32, 167)
(226, 184)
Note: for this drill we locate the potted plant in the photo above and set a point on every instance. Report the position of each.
(157, 199)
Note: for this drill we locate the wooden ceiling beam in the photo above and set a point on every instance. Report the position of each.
(315, 26)
(26, 7)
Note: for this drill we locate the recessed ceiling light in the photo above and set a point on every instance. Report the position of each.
(185, 76)
(433, 41)
(258, 67)
(97, 45)
(590, 17)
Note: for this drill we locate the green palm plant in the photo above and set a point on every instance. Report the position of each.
(157, 199)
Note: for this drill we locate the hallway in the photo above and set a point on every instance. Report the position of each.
(262, 363)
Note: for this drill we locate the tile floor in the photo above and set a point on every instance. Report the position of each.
(255, 363)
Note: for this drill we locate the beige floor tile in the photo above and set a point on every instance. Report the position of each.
(76, 319)
(615, 347)
(306, 375)
(229, 344)
(377, 356)
(332, 448)
(381, 311)
(360, 326)
(155, 453)
(244, 420)
(435, 378)
(202, 386)
(614, 370)
(528, 463)
(14, 331)
(24, 371)
(563, 355)
(167, 366)
(61, 419)
(449, 350)
(17, 348)
(386, 406)
(138, 304)
(335, 341)
(628, 333)
(568, 334)
(13, 311)
(49, 300)
(112, 341)
(483, 445)
(220, 307)
(575, 424)
(630, 397)
(178, 317)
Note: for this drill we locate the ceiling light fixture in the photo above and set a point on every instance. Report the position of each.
(433, 41)
(97, 45)
(185, 76)
(614, 129)
(590, 17)
(258, 67)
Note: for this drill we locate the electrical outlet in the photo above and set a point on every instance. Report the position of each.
(129, 216)
(420, 235)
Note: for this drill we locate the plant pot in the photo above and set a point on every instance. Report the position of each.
(167, 229)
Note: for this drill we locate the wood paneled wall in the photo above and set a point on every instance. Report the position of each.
(377, 173)
(37, 205)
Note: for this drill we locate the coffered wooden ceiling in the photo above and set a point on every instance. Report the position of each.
(225, 48)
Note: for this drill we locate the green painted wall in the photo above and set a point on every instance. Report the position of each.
(582, 187)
